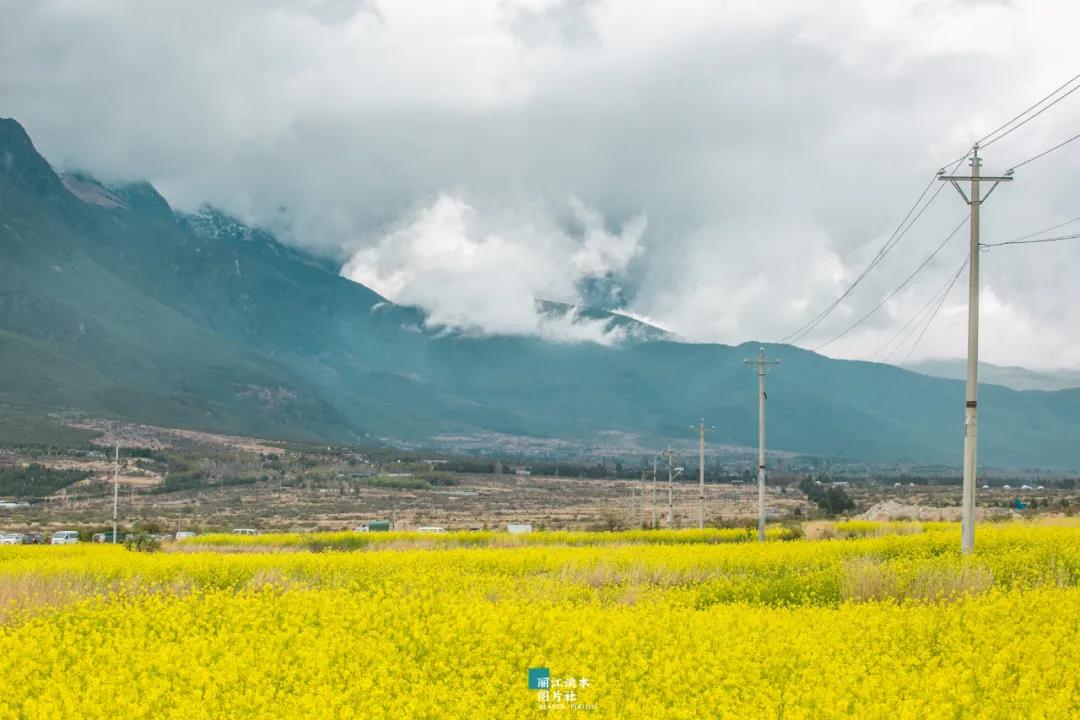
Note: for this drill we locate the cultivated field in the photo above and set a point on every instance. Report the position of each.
(880, 621)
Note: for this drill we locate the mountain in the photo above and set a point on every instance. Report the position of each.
(611, 325)
(1017, 378)
(113, 304)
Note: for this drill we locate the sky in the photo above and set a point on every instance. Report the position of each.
(725, 169)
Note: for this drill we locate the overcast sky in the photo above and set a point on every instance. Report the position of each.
(724, 168)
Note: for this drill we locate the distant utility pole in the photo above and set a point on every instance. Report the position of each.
(116, 490)
(762, 371)
(701, 475)
(971, 402)
(653, 520)
(641, 497)
(672, 473)
(670, 498)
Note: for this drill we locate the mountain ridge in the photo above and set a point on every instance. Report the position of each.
(1010, 376)
(113, 304)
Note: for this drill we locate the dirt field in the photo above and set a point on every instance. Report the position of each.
(479, 501)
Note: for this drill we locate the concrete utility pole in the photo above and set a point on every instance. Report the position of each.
(762, 371)
(670, 498)
(672, 473)
(641, 499)
(116, 490)
(971, 400)
(652, 522)
(701, 475)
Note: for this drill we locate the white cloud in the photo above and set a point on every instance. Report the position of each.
(480, 273)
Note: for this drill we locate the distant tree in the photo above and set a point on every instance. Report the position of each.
(830, 499)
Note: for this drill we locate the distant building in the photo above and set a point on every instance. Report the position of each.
(376, 526)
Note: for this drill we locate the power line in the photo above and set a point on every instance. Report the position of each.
(912, 325)
(940, 301)
(1024, 122)
(1052, 227)
(1046, 152)
(913, 214)
(937, 309)
(1015, 123)
(897, 289)
(1034, 237)
(813, 322)
(1059, 238)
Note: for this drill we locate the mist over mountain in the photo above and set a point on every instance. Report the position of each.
(113, 304)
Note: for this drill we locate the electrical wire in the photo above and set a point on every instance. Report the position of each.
(801, 332)
(1046, 230)
(937, 309)
(912, 325)
(1046, 152)
(1024, 122)
(897, 289)
(940, 301)
(913, 214)
(983, 140)
(1058, 238)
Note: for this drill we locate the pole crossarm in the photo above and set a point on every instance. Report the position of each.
(954, 180)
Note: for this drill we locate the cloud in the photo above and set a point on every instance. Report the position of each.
(484, 273)
(773, 147)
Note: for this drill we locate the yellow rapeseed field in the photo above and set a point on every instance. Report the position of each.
(891, 624)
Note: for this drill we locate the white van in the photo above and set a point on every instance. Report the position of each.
(65, 537)
(245, 531)
(185, 534)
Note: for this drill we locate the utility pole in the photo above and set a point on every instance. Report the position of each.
(762, 371)
(971, 399)
(653, 520)
(701, 475)
(672, 473)
(116, 490)
(670, 499)
(641, 498)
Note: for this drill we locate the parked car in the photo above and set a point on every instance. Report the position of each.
(11, 539)
(431, 529)
(245, 531)
(65, 537)
(185, 534)
(33, 539)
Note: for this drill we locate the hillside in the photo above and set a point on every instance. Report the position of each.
(1017, 378)
(112, 303)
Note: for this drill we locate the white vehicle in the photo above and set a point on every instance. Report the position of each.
(11, 539)
(1026, 487)
(519, 528)
(65, 537)
(185, 534)
(245, 531)
(431, 529)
